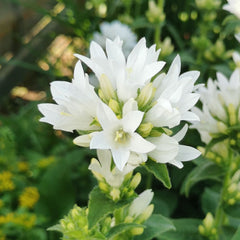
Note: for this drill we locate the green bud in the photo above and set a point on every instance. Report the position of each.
(155, 13)
(103, 186)
(106, 88)
(222, 127)
(208, 221)
(146, 95)
(137, 231)
(128, 219)
(232, 114)
(70, 226)
(115, 194)
(114, 105)
(232, 188)
(146, 213)
(231, 201)
(145, 129)
(135, 181)
(201, 230)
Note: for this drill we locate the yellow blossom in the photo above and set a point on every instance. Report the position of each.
(29, 197)
(45, 162)
(23, 166)
(6, 183)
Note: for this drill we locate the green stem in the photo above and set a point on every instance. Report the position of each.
(220, 215)
(157, 35)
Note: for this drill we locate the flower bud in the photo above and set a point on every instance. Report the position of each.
(145, 129)
(115, 194)
(232, 114)
(155, 13)
(208, 221)
(135, 181)
(114, 105)
(146, 95)
(137, 231)
(106, 88)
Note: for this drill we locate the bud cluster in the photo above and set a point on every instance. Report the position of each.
(207, 228)
(232, 195)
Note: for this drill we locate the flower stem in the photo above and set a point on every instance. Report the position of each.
(157, 35)
(220, 215)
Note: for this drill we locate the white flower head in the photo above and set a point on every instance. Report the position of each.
(113, 30)
(168, 150)
(125, 75)
(114, 177)
(141, 203)
(76, 104)
(233, 7)
(119, 135)
(221, 106)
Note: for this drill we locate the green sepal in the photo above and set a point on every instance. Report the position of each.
(155, 226)
(100, 206)
(160, 171)
(56, 227)
(121, 228)
(206, 171)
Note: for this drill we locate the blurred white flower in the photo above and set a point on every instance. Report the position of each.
(114, 29)
(221, 106)
(233, 7)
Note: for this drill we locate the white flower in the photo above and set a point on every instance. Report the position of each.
(76, 104)
(114, 29)
(114, 177)
(174, 94)
(125, 75)
(233, 7)
(141, 203)
(168, 150)
(119, 135)
(221, 106)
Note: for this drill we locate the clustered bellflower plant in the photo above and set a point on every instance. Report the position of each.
(129, 120)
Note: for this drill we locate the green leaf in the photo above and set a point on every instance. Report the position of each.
(210, 199)
(206, 171)
(155, 226)
(100, 206)
(186, 229)
(233, 211)
(237, 234)
(160, 171)
(120, 228)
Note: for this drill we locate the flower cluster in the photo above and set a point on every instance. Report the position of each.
(220, 115)
(134, 109)
(113, 29)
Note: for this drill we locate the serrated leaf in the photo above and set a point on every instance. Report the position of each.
(120, 228)
(160, 171)
(237, 234)
(206, 171)
(100, 206)
(155, 226)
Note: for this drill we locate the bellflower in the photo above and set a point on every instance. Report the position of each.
(114, 29)
(221, 106)
(233, 7)
(125, 76)
(130, 114)
(76, 104)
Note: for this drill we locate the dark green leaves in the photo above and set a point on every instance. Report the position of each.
(206, 171)
(160, 171)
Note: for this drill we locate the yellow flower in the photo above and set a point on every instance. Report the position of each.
(23, 166)
(45, 162)
(6, 183)
(29, 197)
